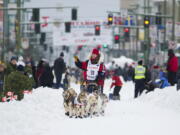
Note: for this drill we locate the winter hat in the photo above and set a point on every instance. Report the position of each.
(140, 62)
(13, 58)
(170, 52)
(62, 54)
(20, 58)
(95, 51)
(21, 63)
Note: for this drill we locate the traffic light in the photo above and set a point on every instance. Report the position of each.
(35, 16)
(74, 14)
(105, 46)
(110, 19)
(97, 30)
(158, 19)
(116, 39)
(146, 22)
(126, 34)
(68, 27)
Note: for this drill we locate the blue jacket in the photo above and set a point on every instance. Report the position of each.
(163, 80)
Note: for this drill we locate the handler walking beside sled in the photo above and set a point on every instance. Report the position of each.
(117, 83)
(94, 70)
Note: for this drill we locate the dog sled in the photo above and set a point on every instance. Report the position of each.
(89, 102)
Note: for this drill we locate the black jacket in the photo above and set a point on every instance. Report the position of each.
(59, 66)
(46, 79)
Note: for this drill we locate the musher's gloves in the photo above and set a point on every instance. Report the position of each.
(75, 58)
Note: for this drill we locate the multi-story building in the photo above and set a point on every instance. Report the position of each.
(166, 7)
(126, 4)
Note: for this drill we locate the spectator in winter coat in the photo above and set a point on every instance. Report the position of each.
(125, 72)
(155, 72)
(149, 84)
(28, 72)
(46, 78)
(163, 80)
(117, 83)
(130, 73)
(113, 66)
(21, 61)
(172, 67)
(59, 69)
(12, 65)
(119, 71)
(39, 71)
(94, 69)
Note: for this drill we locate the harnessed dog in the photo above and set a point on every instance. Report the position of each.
(69, 98)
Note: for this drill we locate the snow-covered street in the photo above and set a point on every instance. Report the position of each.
(42, 113)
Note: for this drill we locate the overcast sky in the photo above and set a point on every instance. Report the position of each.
(86, 8)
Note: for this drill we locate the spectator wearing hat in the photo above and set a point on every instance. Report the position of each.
(21, 61)
(94, 69)
(59, 69)
(46, 79)
(139, 78)
(172, 67)
(12, 65)
(39, 72)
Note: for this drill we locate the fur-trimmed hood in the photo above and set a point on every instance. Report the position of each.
(101, 59)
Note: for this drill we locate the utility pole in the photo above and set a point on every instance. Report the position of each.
(165, 7)
(18, 27)
(173, 19)
(148, 38)
(4, 30)
(146, 35)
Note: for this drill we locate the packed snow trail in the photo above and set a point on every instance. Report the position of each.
(42, 113)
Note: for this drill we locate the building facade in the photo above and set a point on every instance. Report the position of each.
(126, 4)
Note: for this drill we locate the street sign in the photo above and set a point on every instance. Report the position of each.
(82, 33)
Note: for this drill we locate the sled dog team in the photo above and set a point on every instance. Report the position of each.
(85, 104)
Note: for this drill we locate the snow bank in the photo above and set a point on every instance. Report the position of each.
(42, 113)
(167, 98)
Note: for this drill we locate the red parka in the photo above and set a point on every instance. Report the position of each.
(116, 81)
(172, 65)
